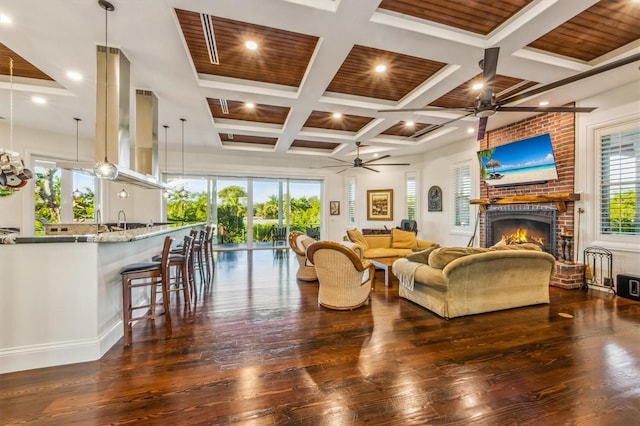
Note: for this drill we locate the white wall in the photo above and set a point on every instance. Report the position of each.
(615, 107)
(438, 170)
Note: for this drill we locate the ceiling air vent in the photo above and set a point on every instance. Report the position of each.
(210, 38)
(223, 106)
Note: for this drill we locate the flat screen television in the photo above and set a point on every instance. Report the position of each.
(521, 162)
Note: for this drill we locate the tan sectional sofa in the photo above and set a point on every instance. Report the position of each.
(456, 281)
(397, 244)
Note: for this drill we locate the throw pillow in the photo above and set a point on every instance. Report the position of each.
(422, 256)
(403, 239)
(356, 237)
(520, 246)
(441, 257)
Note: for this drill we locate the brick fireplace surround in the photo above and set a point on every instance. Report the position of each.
(561, 127)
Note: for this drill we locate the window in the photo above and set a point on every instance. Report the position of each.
(411, 196)
(351, 200)
(620, 181)
(462, 196)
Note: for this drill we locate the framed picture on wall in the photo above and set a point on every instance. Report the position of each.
(380, 204)
(334, 208)
(434, 199)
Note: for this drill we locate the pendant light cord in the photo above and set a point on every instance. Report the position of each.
(11, 104)
(77, 144)
(183, 120)
(106, 79)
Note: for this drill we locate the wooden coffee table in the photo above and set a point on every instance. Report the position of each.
(384, 263)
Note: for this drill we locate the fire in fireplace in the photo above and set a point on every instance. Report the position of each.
(515, 225)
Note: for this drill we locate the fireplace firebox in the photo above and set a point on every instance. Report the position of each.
(512, 225)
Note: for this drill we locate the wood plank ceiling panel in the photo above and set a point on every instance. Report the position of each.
(227, 138)
(281, 58)
(21, 67)
(347, 122)
(260, 113)
(585, 37)
(464, 96)
(324, 146)
(476, 16)
(401, 129)
(358, 77)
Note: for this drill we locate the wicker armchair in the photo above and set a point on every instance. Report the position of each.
(299, 243)
(345, 277)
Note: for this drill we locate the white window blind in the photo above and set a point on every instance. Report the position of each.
(351, 200)
(462, 190)
(411, 196)
(620, 182)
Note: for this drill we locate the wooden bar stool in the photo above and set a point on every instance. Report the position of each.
(146, 274)
(181, 270)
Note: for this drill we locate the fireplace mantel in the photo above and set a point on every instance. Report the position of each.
(559, 198)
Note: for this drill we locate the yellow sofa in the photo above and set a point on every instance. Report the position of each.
(397, 244)
(458, 281)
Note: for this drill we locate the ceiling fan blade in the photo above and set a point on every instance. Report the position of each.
(489, 67)
(545, 109)
(369, 168)
(337, 159)
(377, 159)
(433, 127)
(572, 79)
(343, 170)
(482, 127)
(426, 109)
(328, 167)
(391, 164)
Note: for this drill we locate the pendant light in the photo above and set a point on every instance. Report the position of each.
(77, 193)
(104, 169)
(165, 193)
(123, 193)
(13, 174)
(183, 192)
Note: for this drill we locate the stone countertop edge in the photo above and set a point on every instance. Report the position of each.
(107, 237)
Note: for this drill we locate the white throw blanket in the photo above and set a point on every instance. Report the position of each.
(405, 272)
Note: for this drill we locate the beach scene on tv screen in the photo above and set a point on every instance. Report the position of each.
(525, 161)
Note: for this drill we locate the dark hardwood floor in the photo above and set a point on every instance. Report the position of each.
(259, 350)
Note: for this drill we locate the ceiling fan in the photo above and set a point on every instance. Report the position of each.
(485, 104)
(359, 163)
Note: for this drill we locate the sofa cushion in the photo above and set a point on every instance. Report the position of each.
(356, 237)
(422, 256)
(375, 253)
(403, 239)
(441, 257)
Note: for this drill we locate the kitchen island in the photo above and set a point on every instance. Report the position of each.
(61, 296)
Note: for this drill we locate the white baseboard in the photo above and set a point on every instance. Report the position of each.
(59, 353)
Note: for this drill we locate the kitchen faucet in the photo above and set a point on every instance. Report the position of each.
(122, 220)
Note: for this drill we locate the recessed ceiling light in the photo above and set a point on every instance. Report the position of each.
(251, 45)
(376, 155)
(337, 115)
(5, 20)
(381, 68)
(73, 75)
(249, 105)
(39, 100)
(544, 103)
(409, 123)
(477, 86)
(470, 130)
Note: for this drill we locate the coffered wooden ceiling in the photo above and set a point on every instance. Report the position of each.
(315, 58)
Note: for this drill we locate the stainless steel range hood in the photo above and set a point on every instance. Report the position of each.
(117, 110)
(127, 176)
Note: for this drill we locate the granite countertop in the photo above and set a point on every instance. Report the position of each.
(105, 237)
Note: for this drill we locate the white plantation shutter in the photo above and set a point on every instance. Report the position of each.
(351, 200)
(462, 195)
(620, 182)
(411, 196)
